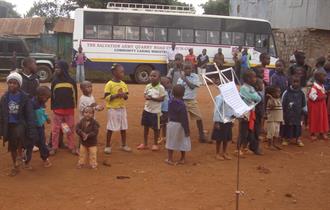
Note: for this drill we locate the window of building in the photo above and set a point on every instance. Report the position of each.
(91, 31)
(104, 31)
(119, 32)
(200, 36)
(147, 34)
(226, 38)
(213, 37)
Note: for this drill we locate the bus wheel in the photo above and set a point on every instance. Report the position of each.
(142, 74)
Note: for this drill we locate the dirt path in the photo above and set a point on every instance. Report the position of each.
(291, 179)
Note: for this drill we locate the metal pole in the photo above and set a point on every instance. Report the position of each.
(238, 192)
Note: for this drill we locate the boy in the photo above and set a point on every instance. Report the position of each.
(87, 130)
(175, 73)
(202, 61)
(17, 120)
(265, 61)
(116, 93)
(154, 95)
(190, 81)
(43, 94)
(87, 99)
(165, 81)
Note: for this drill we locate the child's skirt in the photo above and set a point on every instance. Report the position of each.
(176, 139)
(224, 133)
(273, 129)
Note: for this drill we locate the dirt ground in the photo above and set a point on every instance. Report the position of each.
(291, 179)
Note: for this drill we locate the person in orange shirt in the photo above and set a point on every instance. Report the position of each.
(191, 58)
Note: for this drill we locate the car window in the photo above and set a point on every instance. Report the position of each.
(15, 46)
(2, 46)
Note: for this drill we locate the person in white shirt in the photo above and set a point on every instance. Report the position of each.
(170, 56)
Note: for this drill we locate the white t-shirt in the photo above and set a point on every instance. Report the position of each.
(84, 102)
(155, 92)
(171, 54)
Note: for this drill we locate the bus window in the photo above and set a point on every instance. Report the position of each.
(132, 33)
(119, 32)
(160, 34)
(104, 31)
(249, 39)
(187, 35)
(272, 50)
(91, 31)
(200, 36)
(262, 42)
(147, 34)
(213, 37)
(174, 35)
(238, 38)
(226, 38)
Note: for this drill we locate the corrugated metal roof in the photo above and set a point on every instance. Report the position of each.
(64, 25)
(22, 26)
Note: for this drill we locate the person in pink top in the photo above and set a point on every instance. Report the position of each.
(265, 61)
(80, 60)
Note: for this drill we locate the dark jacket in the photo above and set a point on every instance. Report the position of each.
(30, 84)
(293, 102)
(92, 130)
(26, 117)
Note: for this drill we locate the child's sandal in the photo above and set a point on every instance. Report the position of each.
(142, 147)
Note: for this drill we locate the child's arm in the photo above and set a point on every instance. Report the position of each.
(191, 84)
(184, 121)
(161, 97)
(75, 94)
(1, 118)
(30, 119)
(95, 131)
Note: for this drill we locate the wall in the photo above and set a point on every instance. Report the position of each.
(314, 43)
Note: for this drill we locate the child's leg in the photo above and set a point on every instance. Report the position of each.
(145, 135)
(69, 119)
(13, 154)
(183, 158)
(217, 147)
(164, 130)
(109, 135)
(56, 127)
(123, 137)
(41, 143)
(92, 152)
(83, 152)
(169, 159)
(156, 136)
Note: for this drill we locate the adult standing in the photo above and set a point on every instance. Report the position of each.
(170, 56)
(219, 59)
(80, 60)
(202, 61)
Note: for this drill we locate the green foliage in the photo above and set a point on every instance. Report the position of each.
(49, 9)
(11, 12)
(216, 7)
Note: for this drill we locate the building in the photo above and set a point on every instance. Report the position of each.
(40, 35)
(297, 24)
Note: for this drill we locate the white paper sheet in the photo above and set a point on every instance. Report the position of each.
(232, 98)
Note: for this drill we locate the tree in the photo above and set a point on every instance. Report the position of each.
(50, 9)
(216, 7)
(9, 8)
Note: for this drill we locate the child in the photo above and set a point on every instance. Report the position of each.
(165, 81)
(274, 115)
(317, 108)
(175, 73)
(87, 129)
(265, 60)
(223, 125)
(293, 103)
(43, 94)
(190, 81)
(251, 97)
(279, 79)
(116, 93)
(17, 120)
(63, 103)
(154, 95)
(87, 99)
(30, 77)
(80, 60)
(177, 137)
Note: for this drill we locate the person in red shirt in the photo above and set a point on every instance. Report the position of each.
(191, 58)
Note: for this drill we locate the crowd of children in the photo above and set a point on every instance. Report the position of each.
(281, 103)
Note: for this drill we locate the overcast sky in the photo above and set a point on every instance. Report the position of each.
(23, 6)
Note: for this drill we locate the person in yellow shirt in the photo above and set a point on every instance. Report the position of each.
(115, 94)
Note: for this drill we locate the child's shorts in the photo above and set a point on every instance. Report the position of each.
(151, 120)
(193, 109)
(117, 119)
(224, 133)
(164, 118)
(273, 129)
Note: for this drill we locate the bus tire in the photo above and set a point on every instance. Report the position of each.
(45, 73)
(141, 74)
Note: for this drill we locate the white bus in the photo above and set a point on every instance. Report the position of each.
(138, 36)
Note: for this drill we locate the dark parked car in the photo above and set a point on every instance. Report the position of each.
(9, 45)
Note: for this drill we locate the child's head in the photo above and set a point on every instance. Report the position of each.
(86, 88)
(61, 68)
(280, 65)
(154, 77)
(300, 57)
(29, 65)
(166, 82)
(43, 94)
(259, 70)
(249, 77)
(118, 71)
(187, 68)
(178, 60)
(320, 76)
(320, 62)
(88, 113)
(80, 49)
(295, 82)
(259, 85)
(274, 91)
(264, 59)
(14, 82)
(178, 91)
(299, 71)
(173, 45)
(327, 67)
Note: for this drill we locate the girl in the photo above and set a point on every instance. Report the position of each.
(17, 120)
(274, 115)
(317, 108)
(177, 136)
(279, 79)
(87, 130)
(80, 60)
(265, 60)
(63, 103)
